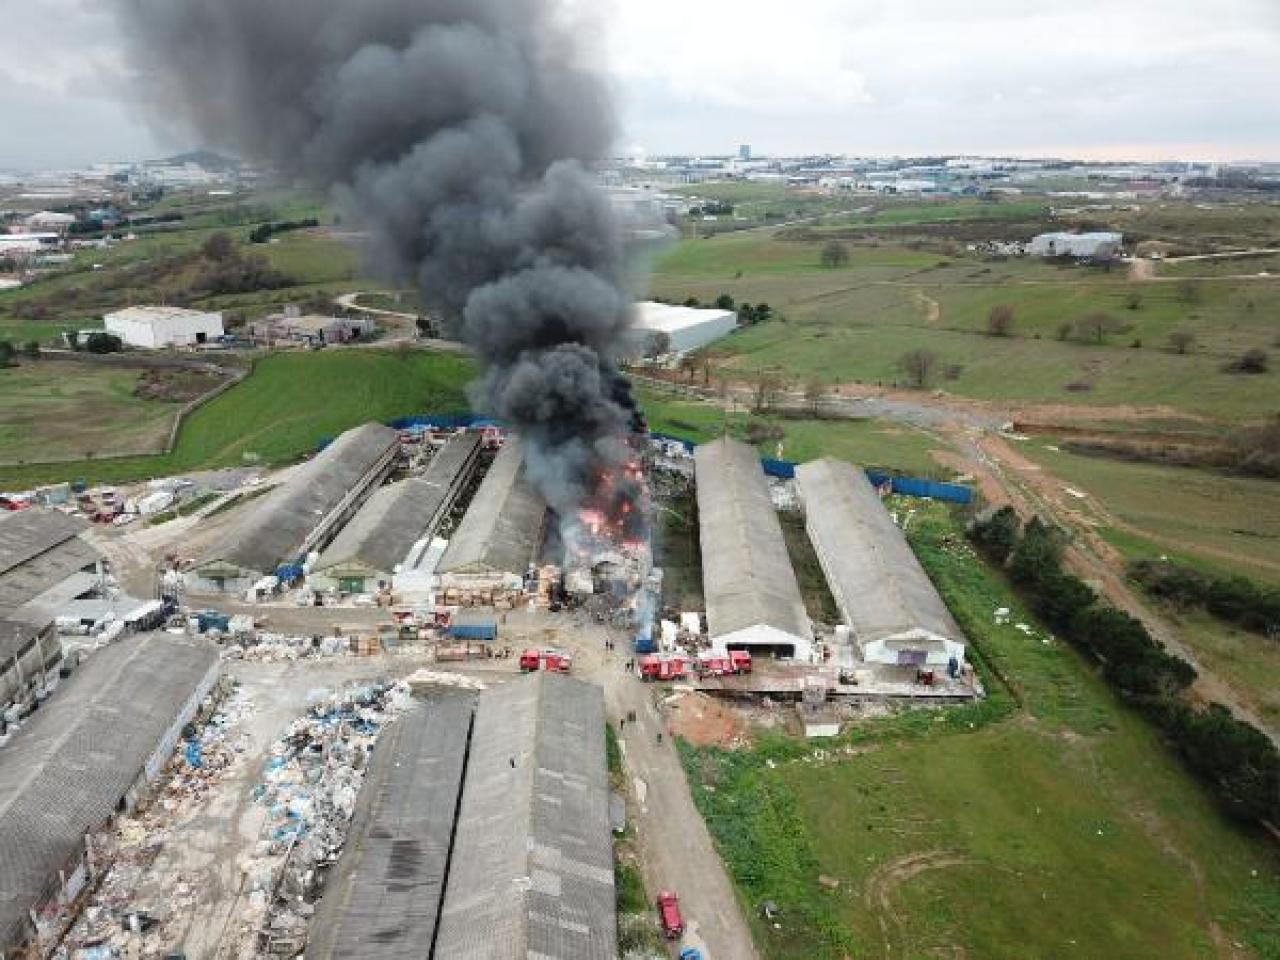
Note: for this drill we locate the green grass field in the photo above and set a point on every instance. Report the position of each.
(854, 323)
(290, 403)
(66, 411)
(1225, 522)
(1064, 828)
(869, 443)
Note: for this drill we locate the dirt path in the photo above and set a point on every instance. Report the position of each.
(886, 879)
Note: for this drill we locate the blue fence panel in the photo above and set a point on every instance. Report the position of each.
(917, 487)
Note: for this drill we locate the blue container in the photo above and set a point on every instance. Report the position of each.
(484, 632)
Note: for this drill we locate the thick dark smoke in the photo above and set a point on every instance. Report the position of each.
(461, 134)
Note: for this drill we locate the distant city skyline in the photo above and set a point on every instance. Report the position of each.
(1092, 81)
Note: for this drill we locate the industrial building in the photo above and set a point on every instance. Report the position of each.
(302, 515)
(887, 600)
(1084, 246)
(315, 330)
(44, 561)
(373, 546)
(86, 755)
(752, 598)
(531, 873)
(384, 900)
(500, 535)
(685, 328)
(154, 328)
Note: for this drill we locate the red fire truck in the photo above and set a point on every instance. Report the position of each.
(554, 661)
(665, 666)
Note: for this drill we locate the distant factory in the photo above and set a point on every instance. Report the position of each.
(661, 328)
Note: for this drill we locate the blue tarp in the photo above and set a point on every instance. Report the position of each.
(473, 631)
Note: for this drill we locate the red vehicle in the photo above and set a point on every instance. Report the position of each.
(714, 664)
(555, 661)
(740, 660)
(664, 667)
(669, 914)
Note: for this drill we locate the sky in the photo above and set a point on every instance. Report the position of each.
(1093, 79)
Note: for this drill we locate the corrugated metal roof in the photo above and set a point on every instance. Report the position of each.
(747, 579)
(29, 533)
(25, 582)
(532, 867)
(876, 579)
(503, 525)
(385, 900)
(67, 769)
(275, 530)
(381, 535)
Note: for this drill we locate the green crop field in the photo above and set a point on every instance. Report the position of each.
(287, 405)
(66, 411)
(854, 323)
(1061, 828)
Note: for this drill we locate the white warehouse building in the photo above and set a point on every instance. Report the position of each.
(154, 328)
(689, 328)
(1098, 246)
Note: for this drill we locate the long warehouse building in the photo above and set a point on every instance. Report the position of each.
(752, 597)
(368, 551)
(384, 900)
(302, 515)
(500, 535)
(885, 597)
(89, 752)
(531, 873)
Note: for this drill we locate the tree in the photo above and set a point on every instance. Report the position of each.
(835, 254)
(724, 302)
(1133, 301)
(1182, 340)
(1097, 326)
(919, 365)
(657, 345)
(1064, 330)
(7, 353)
(998, 533)
(100, 342)
(1000, 320)
(746, 315)
(31, 350)
(219, 247)
(763, 314)
(1254, 360)
(692, 302)
(767, 388)
(814, 393)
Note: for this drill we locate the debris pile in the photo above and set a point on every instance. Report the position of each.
(309, 788)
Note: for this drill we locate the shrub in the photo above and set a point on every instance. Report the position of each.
(998, 533)
(1251, 361)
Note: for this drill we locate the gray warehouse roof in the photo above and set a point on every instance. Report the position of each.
(15, 637)
(879, 584)
(69, 767)
(275, 531)
(400, 514)
(38, 550)
(532, 866)
(384, 902)
(503, 525)
(747, 578)
(28, 533)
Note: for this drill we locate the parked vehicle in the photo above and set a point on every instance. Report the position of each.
(554, 661)
(664, 667)
(669, 915)
(740, 660)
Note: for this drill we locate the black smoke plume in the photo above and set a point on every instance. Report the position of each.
(461, 134)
